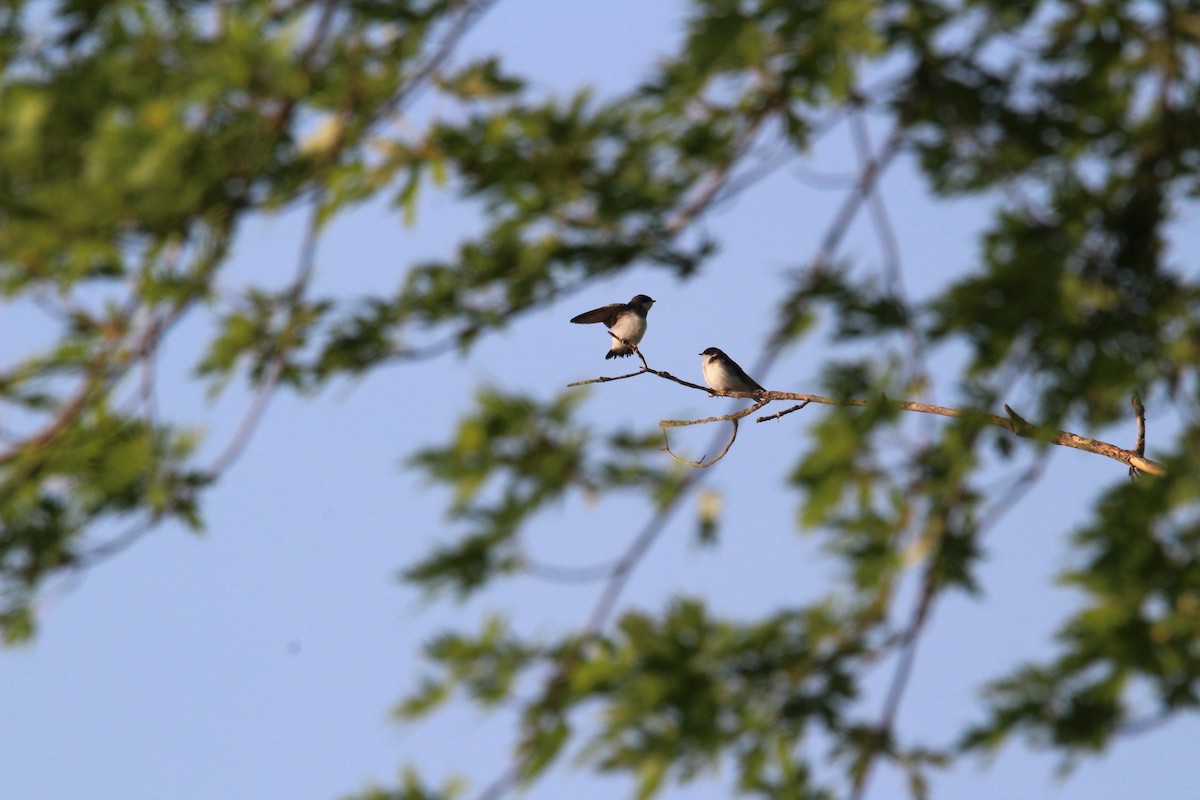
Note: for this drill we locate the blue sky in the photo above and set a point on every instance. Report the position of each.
(262, 659)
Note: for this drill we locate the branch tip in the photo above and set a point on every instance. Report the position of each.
(783, 413)
(1139, 448)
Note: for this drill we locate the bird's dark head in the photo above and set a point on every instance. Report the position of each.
(642, 302)
(714, 352)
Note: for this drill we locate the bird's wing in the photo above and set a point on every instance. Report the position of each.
(596, 314)
(742, 374)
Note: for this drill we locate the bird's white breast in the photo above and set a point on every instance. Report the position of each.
(630, 327)
(716, 375)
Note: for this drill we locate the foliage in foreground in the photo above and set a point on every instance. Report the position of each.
(137, 137)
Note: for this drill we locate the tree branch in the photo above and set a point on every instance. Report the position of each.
(702, 463)
(719, 177)
(1139, 411)
(906, 643)
(782, 413)
(1014, 423)
(733, 417)
(893, 268)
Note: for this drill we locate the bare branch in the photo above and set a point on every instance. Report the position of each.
(118, 544)
(604, 379)
(305, 267)
(734, 417)
(893, 267)
(895, 692)
(1140, 725)
(640, 356)
(1139, 447)
(469, 13)
(1140, 411)
(91, 384)
(1014, 422)
(868, 178)
(834, 234)
(719, 176)
(110, 364)
(563, 574)
(884, 231)
(782, 413)
(632, 347)
(646, 369)
(702, 463)
(427, 351)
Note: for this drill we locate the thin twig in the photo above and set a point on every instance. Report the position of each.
(868, 179)
(561, 574)
(733, 417)
(155, 329)
(1008, 499)
(468, 16)
(621, 571)
(824, 181)
(719, 176)
(885, 232)
(899, 682)
(500, 786)
(638, 353)
(108, 367)
(1139, 447)
(646, 369)
(1135, 727)
(869, 176)
(1140, 411)
(633, 347)
(118, 543)
(606, 379)
(702, 463)
(306, 266)
(68, 413)
(782, 413)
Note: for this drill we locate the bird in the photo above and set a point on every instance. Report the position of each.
(724, 375)
(627, 321)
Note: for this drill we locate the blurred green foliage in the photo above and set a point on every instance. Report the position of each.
(137, 136)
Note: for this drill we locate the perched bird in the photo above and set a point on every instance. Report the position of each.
(627, 321)
(724, 375)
